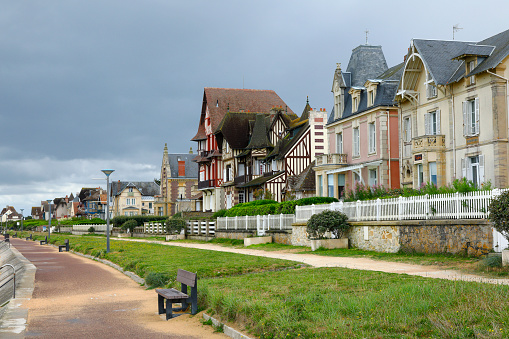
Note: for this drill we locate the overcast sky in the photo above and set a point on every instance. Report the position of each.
(88, 85)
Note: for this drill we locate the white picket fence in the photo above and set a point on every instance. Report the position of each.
(260, 223)
(201, 227)
(472, 205)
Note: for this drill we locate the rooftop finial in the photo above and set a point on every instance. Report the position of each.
(228, 108)
(367, 32)
(307, 99)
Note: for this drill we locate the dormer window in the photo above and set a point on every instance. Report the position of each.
(355, 93)
(371, 98)
(355, 104)
(471, 66)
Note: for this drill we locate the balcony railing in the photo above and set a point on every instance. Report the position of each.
(428, 143)
(242, 179)
(331, 159)
(207, 183)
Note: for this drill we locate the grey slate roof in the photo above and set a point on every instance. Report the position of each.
(501, 43)
(147, 188)
(191, 166)
(365, 63)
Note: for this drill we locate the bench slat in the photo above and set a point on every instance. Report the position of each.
(186, 277)
(171, 293)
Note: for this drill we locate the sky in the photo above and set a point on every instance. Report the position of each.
(96, 84)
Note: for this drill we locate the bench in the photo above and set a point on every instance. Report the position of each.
(174, 296)
(64, 247)
(29, 238)
(45, 241)
(15, 235)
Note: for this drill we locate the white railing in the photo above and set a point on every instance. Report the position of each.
(84, 228)
(201, 227)
(260, 223)
(472, 205)
(154, 227)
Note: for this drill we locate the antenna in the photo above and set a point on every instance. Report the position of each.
(455, 28)
(367, 32)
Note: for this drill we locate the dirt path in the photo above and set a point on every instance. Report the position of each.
(346, 262)
(80, 298)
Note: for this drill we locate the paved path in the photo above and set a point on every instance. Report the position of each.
(81, 298)
(347, 262)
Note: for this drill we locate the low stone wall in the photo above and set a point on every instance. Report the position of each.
(281, 237)
(299, 236)
(471, 237)
(234, 234)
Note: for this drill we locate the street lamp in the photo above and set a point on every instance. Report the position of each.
(21, 209)
(107, 172)
(49, 217)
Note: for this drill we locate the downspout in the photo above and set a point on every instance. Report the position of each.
(389, 145)
(453, 133)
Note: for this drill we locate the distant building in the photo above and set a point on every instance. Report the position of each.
(133, 198)
(9, 213)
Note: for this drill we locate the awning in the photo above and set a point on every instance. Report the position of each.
(355, 168)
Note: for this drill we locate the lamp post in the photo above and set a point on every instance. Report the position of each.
(49, 217)
(21, 209)
(107, 172)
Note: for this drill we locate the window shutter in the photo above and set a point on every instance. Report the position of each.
(230, 175)
(469, 169)
(224, 174)
(463, 168)
(427, 129)
(465, 118)
(438, 121)
(476, 116)
(481, 168)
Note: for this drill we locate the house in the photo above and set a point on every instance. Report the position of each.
(362, 129)
(92, 203)
(9, 213)
(217, 102)
(453, 99)
(37, 213)
(133, 198)
(179, 184)
(61, 206)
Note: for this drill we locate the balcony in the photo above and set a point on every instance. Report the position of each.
(211, 183)
(428, 143)
(242, 179)
(331, 159)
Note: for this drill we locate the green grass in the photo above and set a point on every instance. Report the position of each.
(342, 303)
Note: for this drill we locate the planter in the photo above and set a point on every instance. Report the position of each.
(175, 237)
(505, 258)
(257, 240)
(329, 243)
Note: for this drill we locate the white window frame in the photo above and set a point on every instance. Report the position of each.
(432, 122)
(471, 66)
(431, 90)
(471, 114)
(356, 142)
(330, 185)
(373, 177)
(372, 137)
(473, 169)
(339, 143)
(432, 169)
(420, 175)
(407, 129)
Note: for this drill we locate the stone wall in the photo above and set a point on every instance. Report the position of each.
(472, 237)
(234, 234)
(299, 235)
(281, 237)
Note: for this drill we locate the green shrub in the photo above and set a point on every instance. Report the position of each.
(175, 225)
(219, 214)
(499, 213)
(129, 225)
(334, 222)
(157, 279)
(140, 219)
(492, 261)
(256, 203)
(91, 229)
(316, 201)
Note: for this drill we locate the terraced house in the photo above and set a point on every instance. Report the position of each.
(362, 129)
(454, 105)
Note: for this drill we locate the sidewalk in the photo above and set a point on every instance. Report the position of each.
(81, 298)
(346, 262)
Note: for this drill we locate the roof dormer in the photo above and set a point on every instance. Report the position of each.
(371, 87)
(355, 93)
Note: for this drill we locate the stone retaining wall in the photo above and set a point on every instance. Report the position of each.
(235, 234)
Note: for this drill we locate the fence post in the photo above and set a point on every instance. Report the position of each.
(258, 222)
(427, 206)
(280, 221)
(236, 221)
(400, 207)
(313, 209)
(357, 210)
(340, 205)
(378, 209)
(458, 205)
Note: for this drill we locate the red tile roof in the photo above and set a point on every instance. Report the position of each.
(221, 100)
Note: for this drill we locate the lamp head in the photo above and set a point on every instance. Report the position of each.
(107, 172)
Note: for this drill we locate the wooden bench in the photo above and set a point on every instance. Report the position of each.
(174, 296)
(64, 247)
(29, 238)
(45, 241)
(15, 235)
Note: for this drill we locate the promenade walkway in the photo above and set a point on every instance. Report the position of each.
(75, 297)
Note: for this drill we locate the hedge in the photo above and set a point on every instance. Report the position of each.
(263, 207)
(140, 219)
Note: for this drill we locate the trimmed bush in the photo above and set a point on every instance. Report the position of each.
(263, 207)
(499, 213)
(219, 214)
(334, 222)
(129, 225)
(140, 219)
(175, 225)
(91, 229)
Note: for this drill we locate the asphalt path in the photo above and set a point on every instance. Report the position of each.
(75, 297)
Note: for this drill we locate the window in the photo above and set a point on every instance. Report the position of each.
(341, 185)
(228, 201)
(471, 66)
(373, 177)
(274, 165)
(407, 129)
(473, 169)
(471, 117)
(356, 142)
(432, 123)
(130, 189)
(330, 185)
(150, 205)
(432, 166)
(241, 169)
(420, 175)
(355, 104)
(372, 138)
(241, 197)
(227, 148)
(371, 97)
(431, 90)
(339, 143)
(337, 104)
(228, 173)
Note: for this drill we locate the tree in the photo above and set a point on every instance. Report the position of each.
(499, 213)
